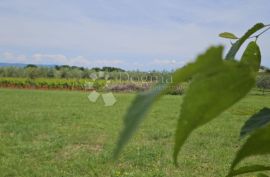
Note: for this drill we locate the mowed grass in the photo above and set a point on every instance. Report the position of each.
(61, 133)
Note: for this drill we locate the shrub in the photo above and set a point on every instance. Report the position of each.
(263, 82)
(178, 89)
(128, 87)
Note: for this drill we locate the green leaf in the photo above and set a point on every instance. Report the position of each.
(228, 35)
(257, 144)
(248, 169)
(236, 46)
(258, 120)
(211, 93)
(136, 112)
(143, 102)
(252, 56)
(212, 57)
(262, 175)
(203, 101)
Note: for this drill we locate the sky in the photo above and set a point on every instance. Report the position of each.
(130, 34)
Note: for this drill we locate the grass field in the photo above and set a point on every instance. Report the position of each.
(61, 133)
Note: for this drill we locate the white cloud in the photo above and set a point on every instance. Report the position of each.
(11, 57)
(164, 62)
(8, 55)
(108, 62)
(90, 37)
(57, 59)
(54, 59)
(109, 29)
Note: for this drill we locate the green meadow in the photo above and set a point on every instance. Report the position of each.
(62, 133)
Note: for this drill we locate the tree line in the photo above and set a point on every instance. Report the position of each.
(74, 72)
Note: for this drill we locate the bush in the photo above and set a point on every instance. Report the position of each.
(44, 83)
(128, 87)
(263, 82)
(178, 89)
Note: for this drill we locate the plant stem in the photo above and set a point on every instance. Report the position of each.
(258, 35)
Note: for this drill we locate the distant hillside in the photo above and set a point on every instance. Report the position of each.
(12, 64)
(21, 65)
(58, 67)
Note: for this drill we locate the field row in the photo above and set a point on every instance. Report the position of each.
(84, 84)
(76, 84)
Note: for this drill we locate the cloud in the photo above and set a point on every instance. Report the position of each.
(9, 56)
(57, 59)
(91, 37)
(164, 62)
(120, 32)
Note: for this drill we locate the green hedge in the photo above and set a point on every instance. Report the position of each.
(76, 84)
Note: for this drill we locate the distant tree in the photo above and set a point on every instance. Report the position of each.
(65, 66)
(111, 69)
(51, 73)
(32, 72)
(64, 72)
(97, 69)
(86, 73)
(12, 72)
(79, 68)
(31, 66)
(265, 69)
(263, 82)
(76, 73)
(57, 67)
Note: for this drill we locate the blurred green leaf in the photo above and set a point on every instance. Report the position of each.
(143, 102)
(262, 175)
(252, 56)
(217, 85)
(248, 169)
(236, 46)
(212, 57)
(203, 101)
(257, 144)
(228, 35)
(136, 112)
(211, 93)
(258, 120)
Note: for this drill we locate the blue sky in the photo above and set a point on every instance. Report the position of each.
(131, 34)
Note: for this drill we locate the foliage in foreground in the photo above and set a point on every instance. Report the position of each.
(216, 85)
